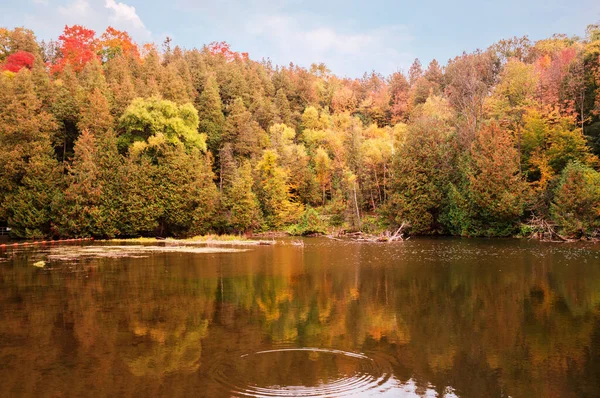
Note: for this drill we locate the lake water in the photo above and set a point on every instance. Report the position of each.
(425, 317)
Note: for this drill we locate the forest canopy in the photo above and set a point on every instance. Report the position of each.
(102, 137)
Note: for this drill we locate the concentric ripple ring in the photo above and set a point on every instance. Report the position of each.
(300, 372)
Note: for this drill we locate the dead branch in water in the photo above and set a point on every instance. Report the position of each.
(360, 236)
(543, 230)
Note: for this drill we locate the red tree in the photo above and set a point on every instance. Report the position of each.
(19, 60)
(78, 46)
(224, 49)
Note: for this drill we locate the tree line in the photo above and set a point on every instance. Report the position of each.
(102, 137)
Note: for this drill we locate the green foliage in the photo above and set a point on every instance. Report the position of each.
(576, 204)
(490, 200)
(242, 210)
(273, 193)
(138, 142)
(309, 224)
(29, 208)
(210, 114)
(421, 172)
(147, 118)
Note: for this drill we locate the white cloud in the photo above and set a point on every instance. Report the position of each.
(124, 13)
(49, 22)
(76, 9)
(297, 39)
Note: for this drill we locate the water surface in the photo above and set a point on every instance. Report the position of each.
(426, 317)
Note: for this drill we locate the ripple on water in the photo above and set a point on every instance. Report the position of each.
(301, 372)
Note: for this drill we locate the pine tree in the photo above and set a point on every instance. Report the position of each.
(95, 114)
(242, 132)
(80, 209)
(25, 133)
(239, 201)
(576, 204)
(420, 173)
(210, 114)
(492, 197)
(284, 114)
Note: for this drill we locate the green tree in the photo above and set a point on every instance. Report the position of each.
(284, 114)
(242, 210)
(491, 200)
(26, 130)
(146, 118)
(421, 170)
(576, 204)
(81, 205)
(210, 114)
(242, 132)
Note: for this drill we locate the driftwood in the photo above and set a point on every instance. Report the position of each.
(543, 230)
(360, 236)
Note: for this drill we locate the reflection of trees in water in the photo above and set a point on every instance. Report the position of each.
(531, 329)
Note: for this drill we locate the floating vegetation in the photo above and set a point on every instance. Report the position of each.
(40, 264)
(67, 253)
(225, 240)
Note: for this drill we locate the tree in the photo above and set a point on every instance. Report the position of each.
(16, 40)
(147, 118)
(492, 199)
(120, 83)
(323, 170)
(210, 113)
(29, 208)
(282, 105)
(576, 204)
(420, 172)
(469, 78)
(415, 71)
(95, 114)
(80, 209)
(19, 60)
(185, 190)
(242, 210)
(273, 192)
(242, 132)
(26, 131)
(114, 43)
(78, 46)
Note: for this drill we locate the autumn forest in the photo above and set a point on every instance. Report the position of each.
(101, 137)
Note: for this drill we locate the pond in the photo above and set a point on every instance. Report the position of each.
(425, 317)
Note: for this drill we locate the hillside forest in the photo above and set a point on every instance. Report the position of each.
(102, 137)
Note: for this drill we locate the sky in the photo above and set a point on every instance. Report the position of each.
(350, 37)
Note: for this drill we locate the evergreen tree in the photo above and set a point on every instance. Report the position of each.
(95, 114)
(420, 173)
(210, 114)
(25, 154)
(80, 208)
(576, 204)
(242, 132)
(492, 197)
(284, 114)
(239, 201)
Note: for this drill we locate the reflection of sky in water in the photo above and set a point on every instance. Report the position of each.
(436, 317)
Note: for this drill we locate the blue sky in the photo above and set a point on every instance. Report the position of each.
(351, 37)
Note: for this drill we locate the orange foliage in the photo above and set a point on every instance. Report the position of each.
(78, 46)
(114, 42)
(224, 49)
